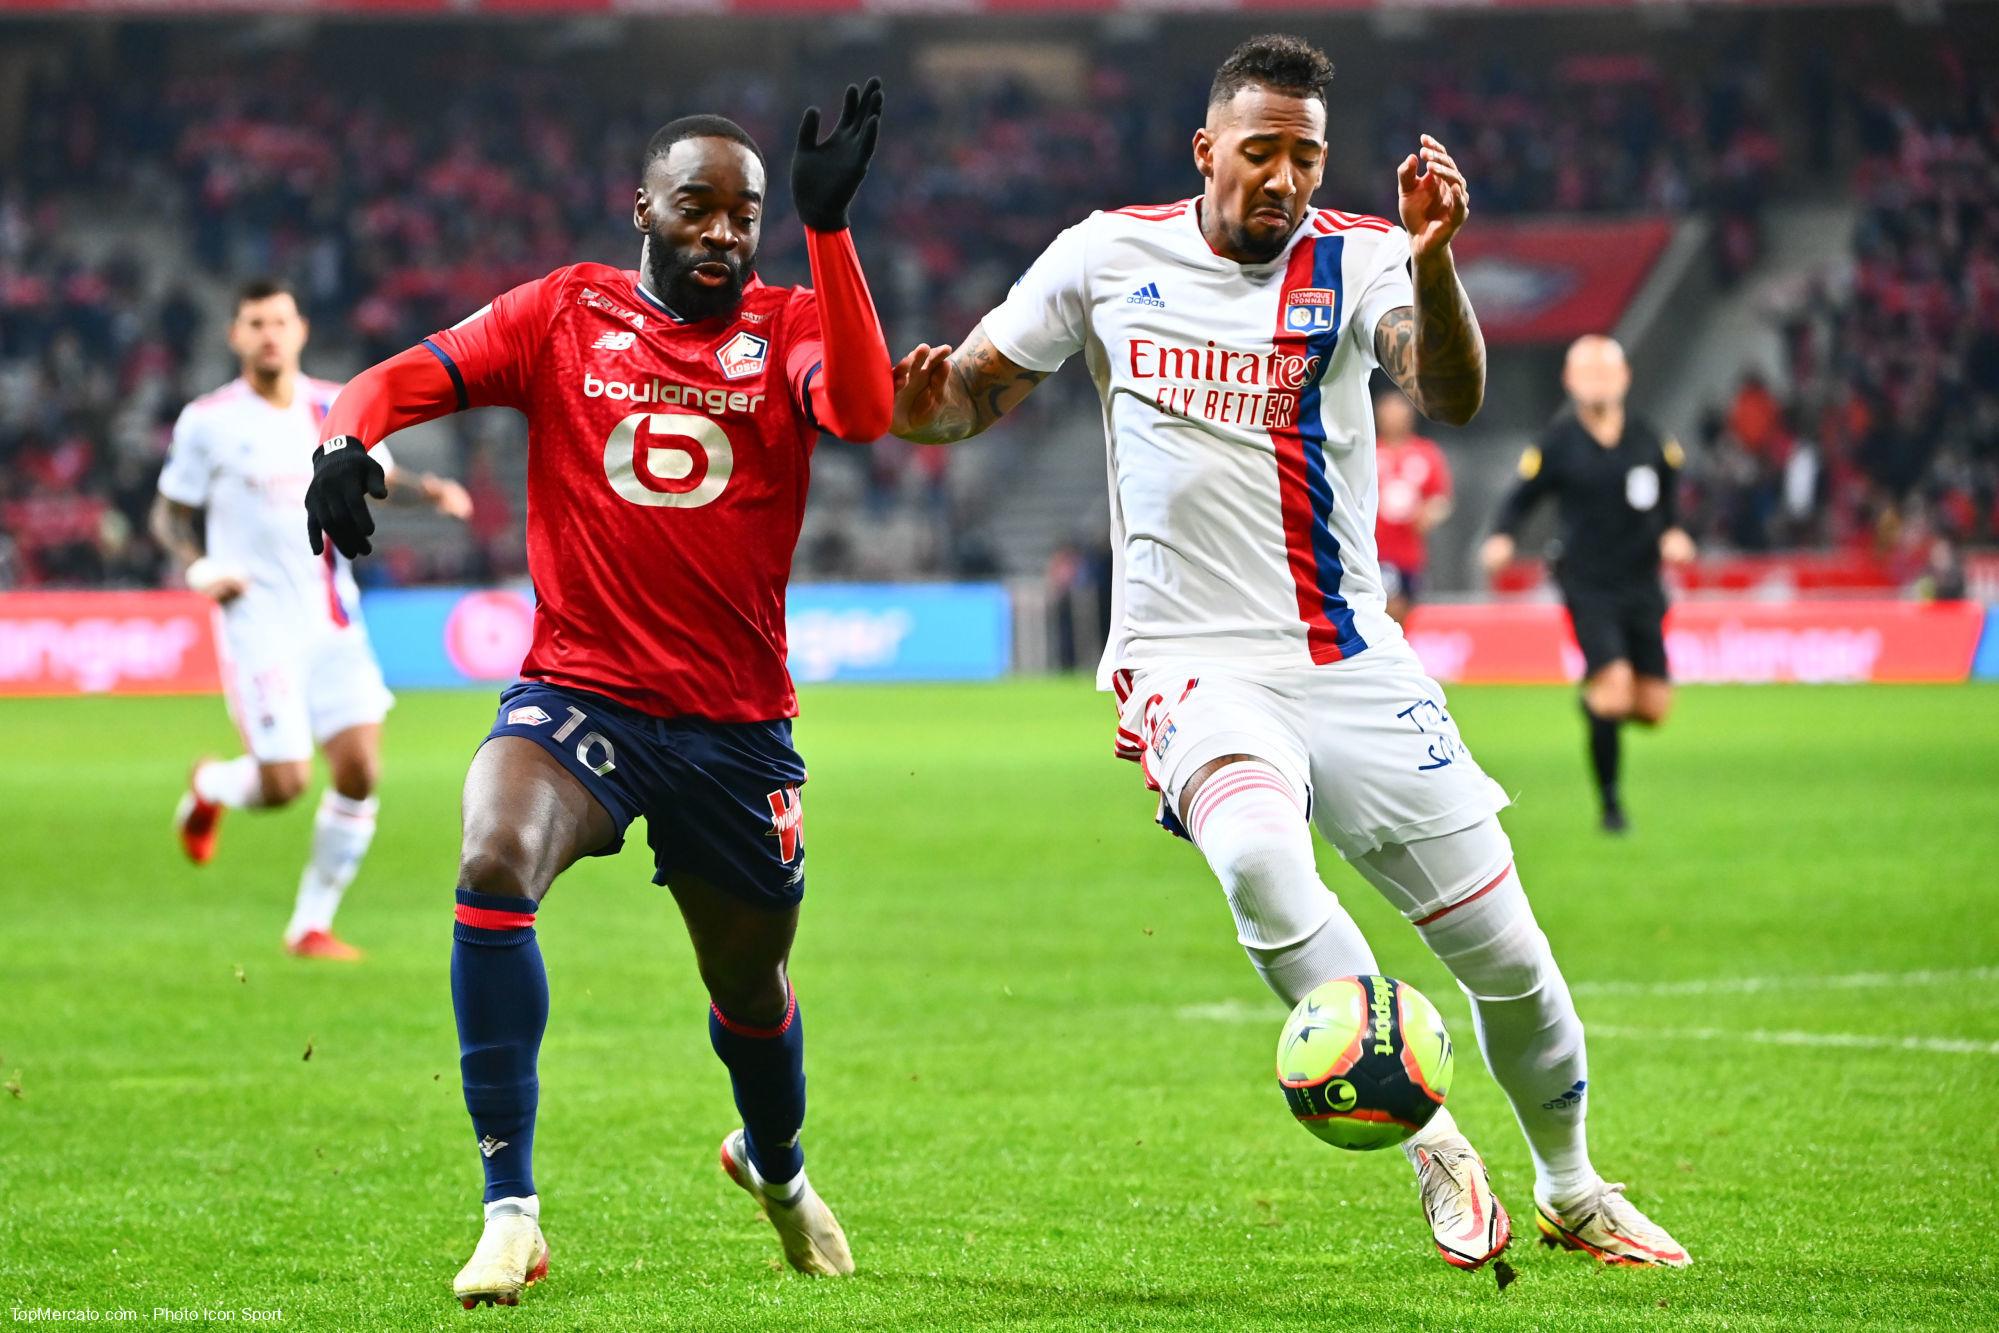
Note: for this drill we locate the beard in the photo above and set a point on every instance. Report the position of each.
(1260, 249)
(671, 272)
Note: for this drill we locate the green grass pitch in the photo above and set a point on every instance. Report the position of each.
(1041, 1070)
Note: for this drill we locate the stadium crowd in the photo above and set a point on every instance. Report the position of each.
(392, 224)
(1884, 437)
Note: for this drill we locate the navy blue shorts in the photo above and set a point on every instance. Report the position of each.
(720, 799)
(1400, 581)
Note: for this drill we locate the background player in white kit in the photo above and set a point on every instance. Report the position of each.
(297, 668)
(1263, 687)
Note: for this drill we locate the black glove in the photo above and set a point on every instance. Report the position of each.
(336, 503)
(824, 176)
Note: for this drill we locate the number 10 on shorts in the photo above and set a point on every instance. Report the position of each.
(584, 746)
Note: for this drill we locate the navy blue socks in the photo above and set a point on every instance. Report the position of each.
(767, 1069)
(500, 995)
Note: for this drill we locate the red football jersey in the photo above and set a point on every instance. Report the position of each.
(1411, 474)
(667, 469)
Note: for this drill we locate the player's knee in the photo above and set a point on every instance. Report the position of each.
(1248, 865)
(1494, 947)
(356, 777)
(283, 783)
(1609, 699)
(504, 862)
(1610, 692)
(1249, 827)
(758, 995)
(1652, 705)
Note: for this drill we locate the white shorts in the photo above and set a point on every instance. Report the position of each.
(288, 692)
(1367, 744)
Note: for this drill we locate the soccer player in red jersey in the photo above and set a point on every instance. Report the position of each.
(671, 417)
(1415, 484)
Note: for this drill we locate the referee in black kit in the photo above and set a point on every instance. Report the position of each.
(1617, 482)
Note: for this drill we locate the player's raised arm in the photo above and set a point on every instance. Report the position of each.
(1433, 349)
(852, 394)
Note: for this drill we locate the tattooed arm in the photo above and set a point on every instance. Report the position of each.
(1433, 350)
(177, 528)
(942, 396)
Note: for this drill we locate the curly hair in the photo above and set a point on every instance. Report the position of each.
(698, 127)
(1277, 61)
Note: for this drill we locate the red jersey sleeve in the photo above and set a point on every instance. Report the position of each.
(805, 358)
(1437, 477)
(490, 354)
(851, 392)
(484, 360)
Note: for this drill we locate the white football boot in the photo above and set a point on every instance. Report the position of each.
(1605, 1225)
(1466, 1219)
(511, 1255)
(811, 1235)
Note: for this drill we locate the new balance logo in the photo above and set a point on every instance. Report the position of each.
(617, 340)
(490, 1145)
(1146, 295)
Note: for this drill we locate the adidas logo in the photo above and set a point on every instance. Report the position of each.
(1572, 1098)
(1146, 295)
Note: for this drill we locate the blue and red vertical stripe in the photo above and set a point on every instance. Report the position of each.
(1304, 482)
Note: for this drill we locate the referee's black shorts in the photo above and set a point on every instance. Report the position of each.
(1620, 624)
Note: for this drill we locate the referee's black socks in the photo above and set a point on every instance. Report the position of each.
(1604, 754)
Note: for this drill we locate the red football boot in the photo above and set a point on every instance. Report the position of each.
(323, 944)
(197, 822)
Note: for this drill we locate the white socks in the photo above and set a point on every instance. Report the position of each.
(234, 783)
(524, 1205)
(1335, 949)
(341, 832)
(1527, 1028)
(1249, 824)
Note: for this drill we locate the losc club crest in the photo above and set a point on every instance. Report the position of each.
(1311, 310)
(742, 356)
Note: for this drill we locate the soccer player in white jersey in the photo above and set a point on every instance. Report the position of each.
(297, 668)
(1263, 687)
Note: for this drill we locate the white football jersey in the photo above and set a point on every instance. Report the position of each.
(1238, 422)
(247, 463)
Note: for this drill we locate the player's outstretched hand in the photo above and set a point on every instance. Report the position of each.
(1435, 200)
(826, 176)
(336, 502)
(919, 386)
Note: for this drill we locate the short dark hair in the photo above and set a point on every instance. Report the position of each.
(697, 127)
(261, 289)
(1277, 61)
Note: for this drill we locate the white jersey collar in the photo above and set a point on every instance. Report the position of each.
(1258, 271)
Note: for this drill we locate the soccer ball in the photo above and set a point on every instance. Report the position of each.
(1364, 1061)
